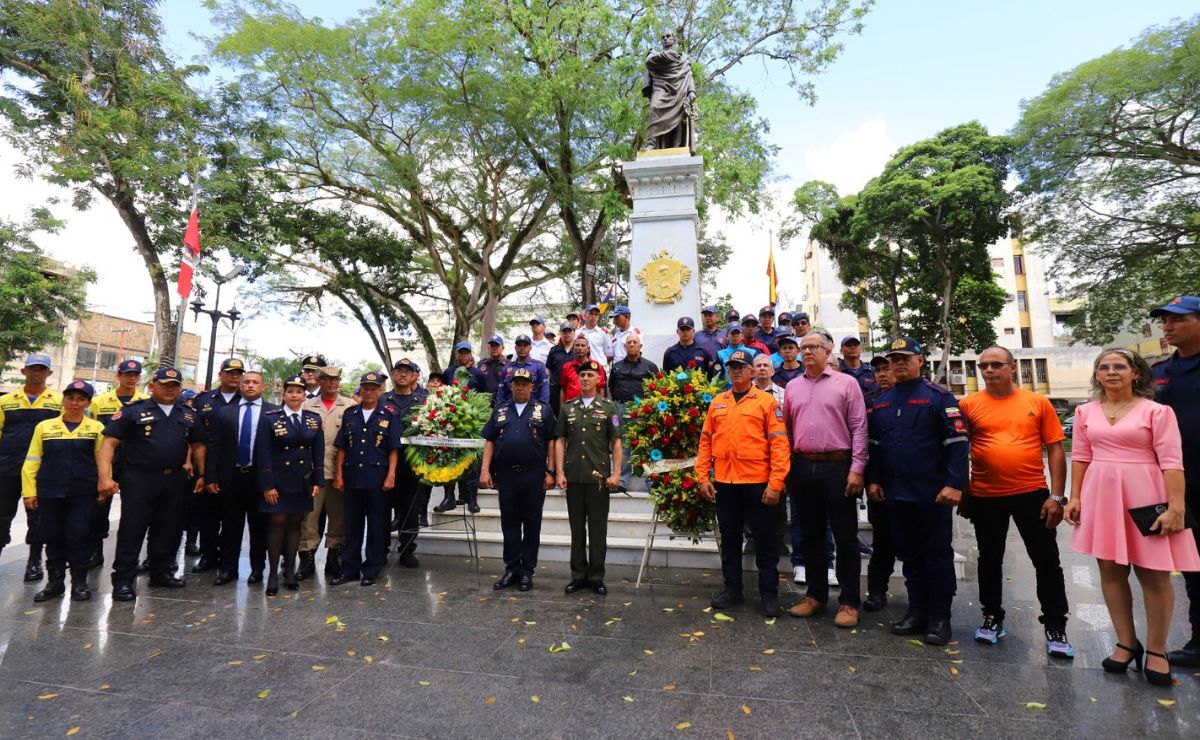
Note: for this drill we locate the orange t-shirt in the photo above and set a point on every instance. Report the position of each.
(1007, 436)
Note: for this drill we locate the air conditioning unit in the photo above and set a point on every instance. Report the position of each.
(958, 379)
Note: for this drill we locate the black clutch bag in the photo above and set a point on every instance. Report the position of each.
(1145, 516)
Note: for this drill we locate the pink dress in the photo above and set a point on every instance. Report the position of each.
(1127, 460)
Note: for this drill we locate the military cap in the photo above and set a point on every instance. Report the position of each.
(522, 373)
(169, 375)
(406, 364)
(522, 339)
(330, 371)
(294, 380)
(589, 366)
(371, 378)
(313, 362)
(904, 346)
(232, 364)
(685, 322)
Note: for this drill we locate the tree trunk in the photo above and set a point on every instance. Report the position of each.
(947, 336)
(164, 317)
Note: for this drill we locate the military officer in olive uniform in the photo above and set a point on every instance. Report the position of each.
(588, 465)
(519, 454)
(162, 443)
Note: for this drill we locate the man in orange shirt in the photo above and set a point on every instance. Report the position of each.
(744, 444)
(1009, 428)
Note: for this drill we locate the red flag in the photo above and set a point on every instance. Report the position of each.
(191, 253)
(773, 281)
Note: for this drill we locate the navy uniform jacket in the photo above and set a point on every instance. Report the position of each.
(716, 340)
(1177, 380)
(521, 440)
(62, 462)
(558, 356)
(783, 376)
(677, 356)
(404, 404)
(918, 442)
(768, 340)
(208, 403)
(220, 460)
(476, 381)
(289, 459)
(865, 375)
(367, 444)
(493, 373)
(17, 421)
(153, 440)
(541, 380)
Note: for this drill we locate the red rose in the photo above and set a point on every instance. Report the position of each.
(659, 376)
(688, 388)
(451, 409)
(693, 412)
(691, 363)
(669, 420)
(432, 415)
(651, 387)
(429, 459)
(652, 430)
(692, 429)
(689, 484)
(646, 409)
(666, 479)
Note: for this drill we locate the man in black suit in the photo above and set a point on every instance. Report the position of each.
(231, 473)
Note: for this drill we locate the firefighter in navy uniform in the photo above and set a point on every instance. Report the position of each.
(59, 481)
(406, 396)
(20, 412)
(162, 443)
(1177, 380)
(125, 392)
(518, 457)
(204, 512)
(918, 468)
(687, 352)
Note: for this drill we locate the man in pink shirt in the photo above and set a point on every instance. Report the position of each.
(826, 419)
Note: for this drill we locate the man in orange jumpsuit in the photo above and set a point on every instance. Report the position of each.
(744, 444)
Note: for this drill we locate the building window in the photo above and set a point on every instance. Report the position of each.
(108, 360)
(1026, 337)
(85, 357)
(1009, 331)
(998, 264)
(1019, 264)
(1040, 366)
(1147, 331)
(1022, 301)
(970, 368)
(1027, 372)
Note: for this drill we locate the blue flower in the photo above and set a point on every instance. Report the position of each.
(655, 455)
(681, 376)
(662, 406)
(707, 398)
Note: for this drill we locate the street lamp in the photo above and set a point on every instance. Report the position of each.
(216, 315)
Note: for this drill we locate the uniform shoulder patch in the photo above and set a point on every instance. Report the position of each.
(116, 416)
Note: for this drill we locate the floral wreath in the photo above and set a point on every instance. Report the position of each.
(662, 436)
(444, 433)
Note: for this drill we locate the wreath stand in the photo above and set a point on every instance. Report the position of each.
(467, 519)
(663, 466)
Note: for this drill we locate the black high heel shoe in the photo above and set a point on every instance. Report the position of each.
(273, 583)
(1112, 665)
(1159, 678)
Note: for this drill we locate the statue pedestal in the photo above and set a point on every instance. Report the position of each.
(666, 185)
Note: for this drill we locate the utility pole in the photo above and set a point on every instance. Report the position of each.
(216, 315)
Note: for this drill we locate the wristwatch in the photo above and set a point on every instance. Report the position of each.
(1060, 500)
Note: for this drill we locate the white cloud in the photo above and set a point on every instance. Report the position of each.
(853, 158)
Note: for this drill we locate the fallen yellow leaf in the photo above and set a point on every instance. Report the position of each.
(707, 610)
(529, 623)
(368, 658)
(633, 673)
(154, 654)
(88, 646)
(951, 652)
(648, 652)
(422, 683)
(755, 669)
(318, 668)
(668, 609)
(73, 730)
(957, 662)
(853, 669)
(535, 698)
(260, 657)
(745, 709)
(698, 634)
(770, 623)
(669, 687)
(264, 693)
(44, 697)
(331, 620)
(683, 725)
(769, 651)
(953, 671)
(351, 653)
(729, 735)
(918, 643)
(1167, 702)
(235, 662)
(490, 700)
(560, 647)
(722, 618)
(295, 713)
(1092, 699)
(520, 640)
(1034, 705)
(105, 687)
(383, 638)
(628, 699)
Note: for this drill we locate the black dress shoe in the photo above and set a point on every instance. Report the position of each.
(912, 623)
(875, 602)
(408, 560)
(447, 504)
(255, 577)
(525, 584)
(204, 564)
(97, 557)
(272, 590)
(144, 567)
(224, 577)
(33, 571)
(576, 585)
(769, 606)
(504, 581)
(1187, 656)
(367, 581)
(423, 520)
(938, 632)
(292, 585)
(308, 564)
(168, 582)
(726, 598)
(341, 578)
(599, 588)
(124, 592)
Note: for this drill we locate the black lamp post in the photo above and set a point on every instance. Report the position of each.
(216, 315)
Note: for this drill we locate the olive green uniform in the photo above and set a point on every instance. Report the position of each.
(588, 433)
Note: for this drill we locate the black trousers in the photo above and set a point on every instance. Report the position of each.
(204, 516)
(521, 501)
(883, 554)
(1191, 581)
(154, 502)
(239, 507)
(10, 501)
(66, 524)
(737, 503)
(407, 501)
(819, 489)
(368, 515)
(990, 515)
(922, 533)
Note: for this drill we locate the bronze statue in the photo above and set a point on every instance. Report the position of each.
(672, 92)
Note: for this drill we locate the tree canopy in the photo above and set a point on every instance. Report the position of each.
(1109, 157)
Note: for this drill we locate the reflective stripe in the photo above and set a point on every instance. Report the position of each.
(776, 434)
(952, 440)
(873, 441)
(33, 458)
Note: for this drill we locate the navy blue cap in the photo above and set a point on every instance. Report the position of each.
(294, 380)
(732, 315)
(496, 339)
(740, 357)
(780, 339)
(567, 327)
(709, 309)
(848, 340)
(407, 364)
(313, 362)
(879, 361)
(572, 312)
(537, 320)
(621, 311)
(734, 326)
(904, 346)
(766, 311)
(38, 358)
(168, 374)
(371, 378)
(463, 345)
(130, 366)
(187, 394)
(800, 315)
(80, 386)
(232, 364)
(785, 316)
(685, 322)
(1184, 304)
(749, 318)
(522, 339)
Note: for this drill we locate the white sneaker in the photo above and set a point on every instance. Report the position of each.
(798, 574)
(833, 581)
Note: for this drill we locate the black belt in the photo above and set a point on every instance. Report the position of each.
(243, 468)
(830, 456)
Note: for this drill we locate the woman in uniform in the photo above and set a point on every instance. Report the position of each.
(291, 456)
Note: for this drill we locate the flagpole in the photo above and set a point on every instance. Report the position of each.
(183, 301)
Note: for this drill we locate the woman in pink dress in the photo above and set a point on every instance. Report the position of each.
(1126, 453)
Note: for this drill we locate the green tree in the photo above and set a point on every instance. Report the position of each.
(37, 297)
(97, 106)
(1109, 156)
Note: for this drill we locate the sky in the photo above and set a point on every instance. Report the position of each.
(918, 67)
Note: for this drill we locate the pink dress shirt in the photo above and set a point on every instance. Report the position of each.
(826, 415)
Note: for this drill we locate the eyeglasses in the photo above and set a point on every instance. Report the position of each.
(812, 347)
(992, 365)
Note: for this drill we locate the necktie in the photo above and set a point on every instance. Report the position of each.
(243, 447)
(295, 422)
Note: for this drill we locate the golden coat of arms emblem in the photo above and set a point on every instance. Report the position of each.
(664, 277)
